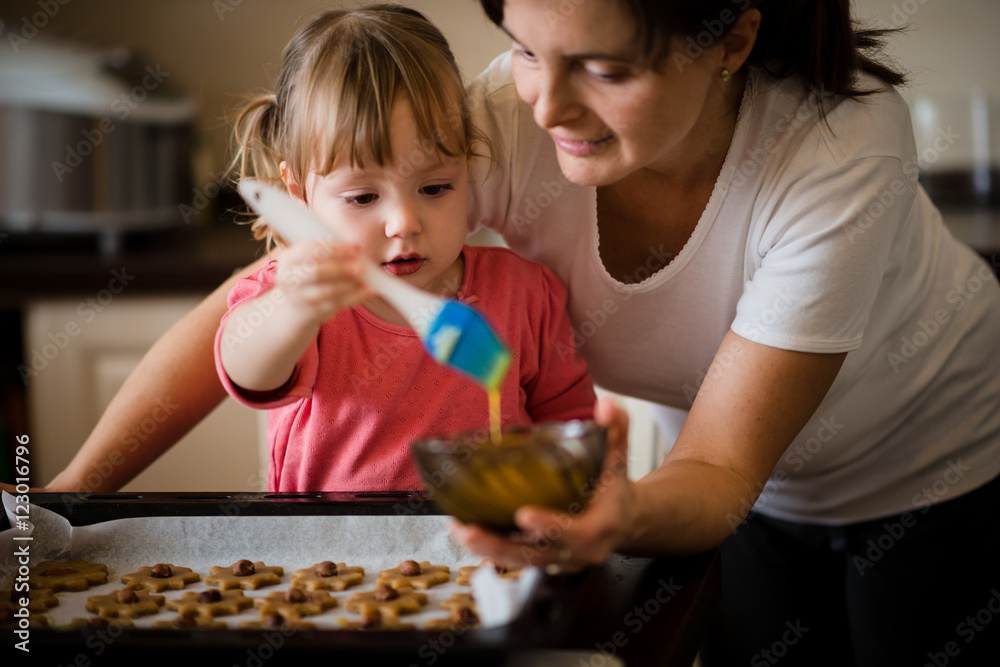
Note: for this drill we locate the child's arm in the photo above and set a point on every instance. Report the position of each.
(264, 338)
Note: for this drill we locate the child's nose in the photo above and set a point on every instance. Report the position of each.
(404, 221)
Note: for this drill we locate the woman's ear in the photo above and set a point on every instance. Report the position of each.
(294, 189)
(739, 41)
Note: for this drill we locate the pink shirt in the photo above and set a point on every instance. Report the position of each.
(366, 389)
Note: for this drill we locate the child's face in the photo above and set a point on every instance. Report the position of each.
(408, 216)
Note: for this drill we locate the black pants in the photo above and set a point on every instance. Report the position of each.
(920, 588)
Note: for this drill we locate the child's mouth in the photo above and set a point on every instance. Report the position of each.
(404, 266)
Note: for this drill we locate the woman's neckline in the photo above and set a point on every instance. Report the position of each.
(707, 217)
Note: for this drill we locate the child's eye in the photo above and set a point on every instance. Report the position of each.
(435, 190)
(362, 200)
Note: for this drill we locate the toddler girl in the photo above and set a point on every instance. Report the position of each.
(369, 127)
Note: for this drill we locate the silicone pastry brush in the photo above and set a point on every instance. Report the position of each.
(452, 332)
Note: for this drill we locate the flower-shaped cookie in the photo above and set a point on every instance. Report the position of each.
(190, 621)
(211, 603)
(390, 602)
(295, 603)
(275, 621)
(72, 575)
(39, 599)
(413, 574)
(161, 577)
(244, 574)
(328, 575)
(7, 619)
(373, 619)
(463, 614)
(125, 603)
(96, 622)
(464, 577)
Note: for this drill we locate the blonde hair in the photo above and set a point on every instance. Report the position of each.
(341, 75)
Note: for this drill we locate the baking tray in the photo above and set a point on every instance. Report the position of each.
(546, 622)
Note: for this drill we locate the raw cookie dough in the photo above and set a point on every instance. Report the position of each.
(244, 574)
(328, 575)
(465, 573)
(125, 603)
(295, 603)
(413, 574)
(373, 619)
(276, 621)
(463, 614)
(95, 622)
(190, 621)
(390, 602)
(212, 602)
(39, 599)
(71, 575)
(7, 619)
(161, 577)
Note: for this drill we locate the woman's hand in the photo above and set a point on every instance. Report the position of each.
(567, 542)
(320, 279)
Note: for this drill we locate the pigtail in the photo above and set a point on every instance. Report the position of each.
(255, 134)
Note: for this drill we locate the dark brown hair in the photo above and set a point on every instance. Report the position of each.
(816, 39)
(341, 74)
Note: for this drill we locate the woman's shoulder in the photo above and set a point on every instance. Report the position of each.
(817, 124)
(496, 79)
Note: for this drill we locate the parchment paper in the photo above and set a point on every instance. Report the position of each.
(292, 542)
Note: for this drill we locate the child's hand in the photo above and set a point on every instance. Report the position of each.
(321, 278)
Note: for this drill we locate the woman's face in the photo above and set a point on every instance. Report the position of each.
(575, 64)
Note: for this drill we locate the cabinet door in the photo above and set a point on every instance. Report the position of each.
(82, 356)
(648, 443)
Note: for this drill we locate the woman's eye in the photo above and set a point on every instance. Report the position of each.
(524, 53)
(366, 198)
(435, 190)
(610, 75)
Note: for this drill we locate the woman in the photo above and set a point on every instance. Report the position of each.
(730, 195)
(836, 348)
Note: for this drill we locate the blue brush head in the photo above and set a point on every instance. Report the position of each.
(461, 338)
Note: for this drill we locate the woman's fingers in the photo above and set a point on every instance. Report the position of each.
(608, 414)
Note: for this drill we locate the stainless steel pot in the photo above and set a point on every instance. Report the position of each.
(91, 143)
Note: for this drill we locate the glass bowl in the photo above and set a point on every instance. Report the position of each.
(553, 465)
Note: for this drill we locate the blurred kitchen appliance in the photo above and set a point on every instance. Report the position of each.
(91, 141)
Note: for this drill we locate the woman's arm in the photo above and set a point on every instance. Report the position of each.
(753, 402)
(179, 367)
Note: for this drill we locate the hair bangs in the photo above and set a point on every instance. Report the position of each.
(347, 109)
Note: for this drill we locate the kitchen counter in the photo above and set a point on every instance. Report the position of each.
(977, 227)
(190, 259)
(197, 259)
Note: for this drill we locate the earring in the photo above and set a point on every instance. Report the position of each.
(725, 74)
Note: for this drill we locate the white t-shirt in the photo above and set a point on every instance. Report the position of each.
(817, 238)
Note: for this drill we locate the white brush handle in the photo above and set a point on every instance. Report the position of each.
(295, 223)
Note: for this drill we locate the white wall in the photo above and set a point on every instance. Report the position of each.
(215, 54)
(950, 45)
